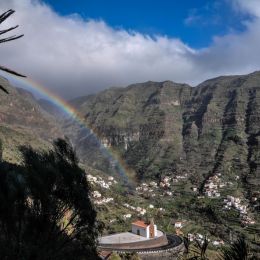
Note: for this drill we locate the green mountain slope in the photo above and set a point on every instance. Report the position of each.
(23, 122)
(164, 128)
(179, 141)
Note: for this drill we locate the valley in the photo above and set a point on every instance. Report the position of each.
(191, 154)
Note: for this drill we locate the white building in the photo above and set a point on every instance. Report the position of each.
(141, 228)
(96, 194)
(178, 224)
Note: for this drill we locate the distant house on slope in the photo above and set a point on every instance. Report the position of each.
(144, 229)
(178, 224)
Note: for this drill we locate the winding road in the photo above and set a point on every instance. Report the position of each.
(173, 242)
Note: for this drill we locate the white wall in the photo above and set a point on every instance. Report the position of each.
(143, 231)
(147, 232)
(155, 231)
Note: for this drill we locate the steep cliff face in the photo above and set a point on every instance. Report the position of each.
(142, 122)
(168, 128)
(23, 122)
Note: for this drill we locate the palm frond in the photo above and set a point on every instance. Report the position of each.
(11, 38)
(237, 251)
(11, 71)
(3, 89)
(3, 17)
(8, 30)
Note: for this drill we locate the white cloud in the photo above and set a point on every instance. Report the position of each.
(249, 6)
(76, 57)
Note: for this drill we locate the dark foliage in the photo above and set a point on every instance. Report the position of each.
(45, 210)
(1, 150)
(186, 243)
(201, 249)
(239, 250)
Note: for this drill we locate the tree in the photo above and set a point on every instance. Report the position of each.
(1, 151)
(114, 256)
(3, 17)
(130, 256)
(239, 250)
(45, 209)
(201, 248)
(196, 251)
(186, 243)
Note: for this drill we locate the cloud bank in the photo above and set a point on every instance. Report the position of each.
(73, 57)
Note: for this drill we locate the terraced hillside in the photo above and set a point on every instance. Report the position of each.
(194, 152)
(165, 128)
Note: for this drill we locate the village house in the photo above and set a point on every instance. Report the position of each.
(96, 194)
(126, 216)
(178, 224)
(144, 229)
(168, 193)
(153, 184)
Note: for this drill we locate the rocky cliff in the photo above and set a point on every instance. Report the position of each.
(165, 128)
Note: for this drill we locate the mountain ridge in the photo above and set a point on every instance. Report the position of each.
(169, 128)
(166, 128)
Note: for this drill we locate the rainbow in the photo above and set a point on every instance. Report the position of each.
(28, 83)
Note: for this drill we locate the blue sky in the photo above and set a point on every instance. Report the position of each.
(195, 22)
(84, 46)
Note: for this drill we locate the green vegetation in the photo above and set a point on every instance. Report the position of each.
(239, 250)
(168, 129)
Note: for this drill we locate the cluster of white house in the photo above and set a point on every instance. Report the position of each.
(103, 201)
(96, 195)
(101, 182)
(200, 238)
(98, 200)
(139, 210)
(214, 183)
(147, 188)
(164, 185)
(212, 186)
(236, 203)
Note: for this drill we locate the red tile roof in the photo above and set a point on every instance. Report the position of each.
(140, 223)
